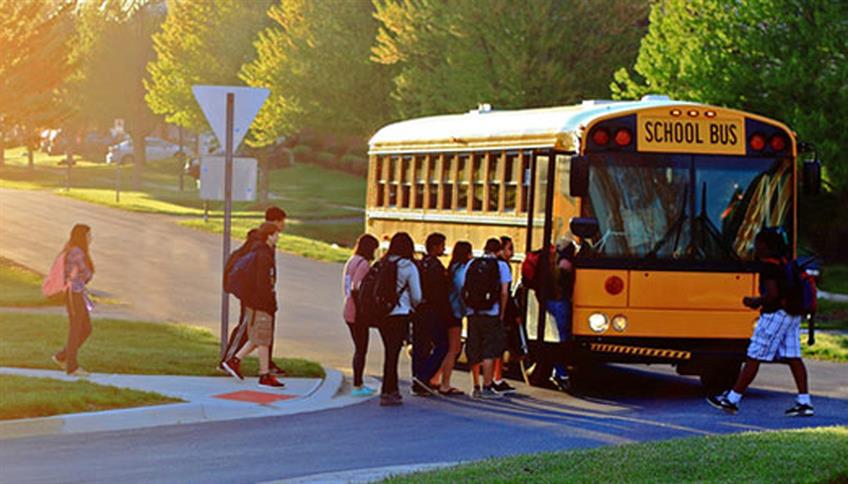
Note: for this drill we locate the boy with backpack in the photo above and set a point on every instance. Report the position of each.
(238, 337)
(777, 335)
(260, 304)
(430, 325)
(485, 292)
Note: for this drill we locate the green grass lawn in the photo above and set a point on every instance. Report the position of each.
(308, 193)
(828, 347)
(24, 397)
(20, 287)
(28, 341)
(832, 315)
(809, 455)
(835, 278)
(298, 239)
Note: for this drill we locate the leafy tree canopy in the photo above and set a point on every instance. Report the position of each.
(781, 58)
(315, 60)
(453, 55)
(201, 42)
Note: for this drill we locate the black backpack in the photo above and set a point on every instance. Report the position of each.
(377, 294)
(239, 280)
(482, 288)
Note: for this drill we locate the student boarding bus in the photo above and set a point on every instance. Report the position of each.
(664, 197)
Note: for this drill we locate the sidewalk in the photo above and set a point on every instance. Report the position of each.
(207, 399)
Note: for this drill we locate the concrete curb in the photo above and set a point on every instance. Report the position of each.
(366, 475)
(320, 397)
(830, 296)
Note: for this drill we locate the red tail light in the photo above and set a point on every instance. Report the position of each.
(623, 137)
(757, 142)
(777, 143)
(601, 136)
(614, 285)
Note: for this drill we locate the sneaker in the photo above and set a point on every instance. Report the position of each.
(476, 392)
(722, 403)
(391, 400)
(233, 367)
(276, 370)
(562, 383)
(270, 381)
(489, 393)
(503, 387)
(362, 391)
(800, 410)
(59, 362)
(80, 373)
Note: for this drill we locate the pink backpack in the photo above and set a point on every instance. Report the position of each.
(54, 283)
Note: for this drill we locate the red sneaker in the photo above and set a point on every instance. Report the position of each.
(276, 370)
(233, 367)
(269, 380)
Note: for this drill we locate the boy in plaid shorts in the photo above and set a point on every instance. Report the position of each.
(777, 335)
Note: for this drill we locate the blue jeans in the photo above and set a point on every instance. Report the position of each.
(561, 312)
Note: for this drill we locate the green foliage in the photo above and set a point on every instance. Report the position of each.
(315, 59)
(787, 59)
(26, 397)
(201, 42)
(450, 55)
(35, 61)
(113, 45)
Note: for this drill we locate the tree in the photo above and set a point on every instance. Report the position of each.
(781, 58)
(34, 39)
(453, 55)
(113, 47)
(315, 60)
(201, 42)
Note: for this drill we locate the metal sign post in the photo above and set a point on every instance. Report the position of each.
(237, 112)
(228, 207)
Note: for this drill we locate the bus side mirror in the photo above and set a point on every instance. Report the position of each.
(578, 183)
(584, 227)
(812, 177)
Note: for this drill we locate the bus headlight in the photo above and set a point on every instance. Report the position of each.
(598, 322)
(619, 322)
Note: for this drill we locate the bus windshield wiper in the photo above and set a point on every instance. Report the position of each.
(675, 230)
(706, 228)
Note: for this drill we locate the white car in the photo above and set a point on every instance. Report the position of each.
(155, 150)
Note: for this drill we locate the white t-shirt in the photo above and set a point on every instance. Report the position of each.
(506, 278)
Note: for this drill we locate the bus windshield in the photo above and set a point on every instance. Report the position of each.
(684, 207)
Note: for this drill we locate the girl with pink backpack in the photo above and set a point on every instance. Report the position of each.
(70, 273)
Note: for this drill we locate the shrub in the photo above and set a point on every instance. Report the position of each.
(303, 154)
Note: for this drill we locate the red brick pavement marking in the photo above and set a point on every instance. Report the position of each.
(254, 397)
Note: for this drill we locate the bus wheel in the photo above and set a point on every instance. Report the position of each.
(720, 378)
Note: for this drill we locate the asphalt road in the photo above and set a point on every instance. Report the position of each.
(166, 272)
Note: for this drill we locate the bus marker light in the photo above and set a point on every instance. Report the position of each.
(757, 142)
(676, 112)
(614, 285)
(598, 322)
(601, 136)
(710, 114)
(777, 143)
(619, 322)
(623, 137)
(692, 113)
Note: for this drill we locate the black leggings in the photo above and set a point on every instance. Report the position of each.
(359, 334)
(79, 328)
(392, 331)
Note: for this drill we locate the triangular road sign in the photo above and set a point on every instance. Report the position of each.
(213, 102)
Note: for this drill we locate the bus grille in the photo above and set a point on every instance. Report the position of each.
(639, 351)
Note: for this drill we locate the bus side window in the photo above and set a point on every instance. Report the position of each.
(448, 175)
(420, 181)
(379, 169)
(394, 176)
(478, 174)
(512, 172)
(494, 180)
(434, 170)
(462, 182)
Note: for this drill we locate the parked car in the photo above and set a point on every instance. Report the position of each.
(155, 150)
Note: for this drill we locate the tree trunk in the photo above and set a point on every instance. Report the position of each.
(30, 158)
(264, 179)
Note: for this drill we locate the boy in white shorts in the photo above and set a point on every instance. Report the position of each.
(777, 335)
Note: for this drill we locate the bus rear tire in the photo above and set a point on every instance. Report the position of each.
(720, 378)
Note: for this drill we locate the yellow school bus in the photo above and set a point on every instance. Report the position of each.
(664, 197)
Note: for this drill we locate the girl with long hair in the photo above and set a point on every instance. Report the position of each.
(79, 269)
(460, 255)
(354, 271)
(395, 327)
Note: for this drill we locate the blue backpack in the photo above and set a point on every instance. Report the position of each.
(239, 280)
